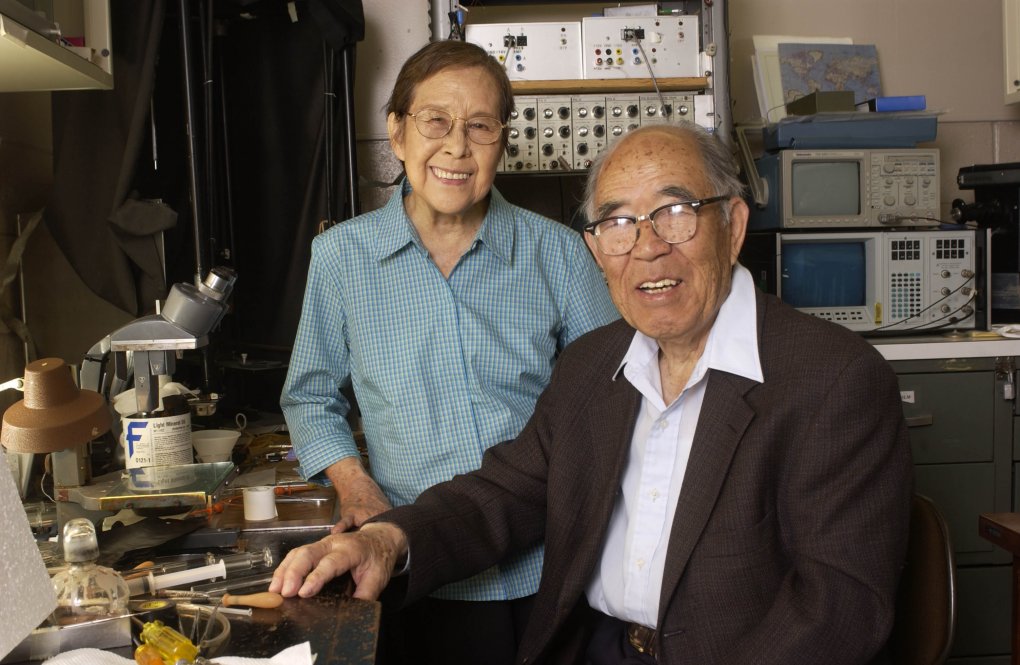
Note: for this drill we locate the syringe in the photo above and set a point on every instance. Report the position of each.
(223, 586)
(152, 583)
(243, 560)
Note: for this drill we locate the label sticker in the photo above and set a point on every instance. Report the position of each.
(157, 441)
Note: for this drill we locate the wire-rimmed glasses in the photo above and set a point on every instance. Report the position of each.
(436, 123)
(675, 223)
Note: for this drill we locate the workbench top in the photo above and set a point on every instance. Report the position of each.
(976, 344)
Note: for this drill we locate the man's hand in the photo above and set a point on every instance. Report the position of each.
(359, 496)
(370, 555)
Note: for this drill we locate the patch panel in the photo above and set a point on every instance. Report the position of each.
(627, 46)
(566, 133)
(531, 51)
(589, 129)
(522, 144)
(555, 134)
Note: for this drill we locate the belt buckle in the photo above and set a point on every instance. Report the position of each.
(642, 638)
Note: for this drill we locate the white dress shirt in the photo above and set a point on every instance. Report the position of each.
(628, 580)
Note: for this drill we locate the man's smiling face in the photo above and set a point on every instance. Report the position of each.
(669, 292)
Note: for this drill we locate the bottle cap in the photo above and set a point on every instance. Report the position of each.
(80, 542)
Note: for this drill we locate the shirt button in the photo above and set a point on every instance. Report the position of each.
(663, 424)
(654, 494)
(640, 563)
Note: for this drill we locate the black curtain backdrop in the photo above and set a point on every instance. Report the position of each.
(261, 156)
(96, 138)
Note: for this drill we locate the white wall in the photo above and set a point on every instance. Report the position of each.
(394, 29)
(951, 52)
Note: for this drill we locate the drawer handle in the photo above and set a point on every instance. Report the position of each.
(919, 421)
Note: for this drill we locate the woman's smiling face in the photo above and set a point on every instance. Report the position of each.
(449, 176)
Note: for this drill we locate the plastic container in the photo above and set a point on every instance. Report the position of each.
(152, 583)
(214, 445)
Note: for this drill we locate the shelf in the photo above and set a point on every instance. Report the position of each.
(29, 61)
(586, 86)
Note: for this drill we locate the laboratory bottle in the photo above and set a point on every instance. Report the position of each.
(86, 590)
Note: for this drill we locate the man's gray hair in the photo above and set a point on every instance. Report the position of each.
(720, 166)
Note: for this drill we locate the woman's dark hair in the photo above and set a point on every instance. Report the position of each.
(433, 58)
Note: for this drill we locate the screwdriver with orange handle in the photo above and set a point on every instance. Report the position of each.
(265, 599)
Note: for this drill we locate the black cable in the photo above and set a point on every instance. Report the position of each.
(922, 328)
(328, 106)
(205, 29)
(928, 324)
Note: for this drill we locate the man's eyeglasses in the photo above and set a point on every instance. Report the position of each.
(674, 223)
(435, 124)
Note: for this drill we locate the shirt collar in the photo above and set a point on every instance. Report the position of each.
(396, 230)
(732, 342)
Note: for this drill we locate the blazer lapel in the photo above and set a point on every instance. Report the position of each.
(725, 415)
(603, 448)
(595, 452)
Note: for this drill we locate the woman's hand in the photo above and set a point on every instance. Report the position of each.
(360, 497)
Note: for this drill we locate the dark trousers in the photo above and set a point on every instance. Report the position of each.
(609, 645)
(452, 632)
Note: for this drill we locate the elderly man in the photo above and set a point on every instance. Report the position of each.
(717, 477)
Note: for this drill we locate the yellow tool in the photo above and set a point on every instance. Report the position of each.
(146, 654)
(162, 645)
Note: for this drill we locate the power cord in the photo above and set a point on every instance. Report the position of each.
(651, 74)
(929, 324)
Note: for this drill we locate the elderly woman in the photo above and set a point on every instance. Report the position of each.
(446, 310)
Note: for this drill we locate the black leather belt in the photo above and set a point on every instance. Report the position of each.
(642, 638)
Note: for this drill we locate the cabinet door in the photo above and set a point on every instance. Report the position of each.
(950, 416)
(1011, 49)
(962, 492)
(982, 611)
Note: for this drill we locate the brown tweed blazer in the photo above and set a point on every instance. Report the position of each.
(791, 525)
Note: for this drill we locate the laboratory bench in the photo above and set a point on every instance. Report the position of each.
(959, 401)
(341, 630)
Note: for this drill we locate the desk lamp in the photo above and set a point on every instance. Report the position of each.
(54, 414)
(56, 418)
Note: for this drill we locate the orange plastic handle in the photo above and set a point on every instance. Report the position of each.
(141, 573)
(291, 489)
(266, 599)
(146, 654)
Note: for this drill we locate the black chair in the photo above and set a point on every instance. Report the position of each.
(926, 599)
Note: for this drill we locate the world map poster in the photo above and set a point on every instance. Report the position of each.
(808, 68)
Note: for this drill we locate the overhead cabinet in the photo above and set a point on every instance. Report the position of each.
(34, 57)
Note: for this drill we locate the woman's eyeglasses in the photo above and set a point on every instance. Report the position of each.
(435, 124)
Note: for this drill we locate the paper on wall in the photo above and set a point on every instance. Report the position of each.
(766, 56)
